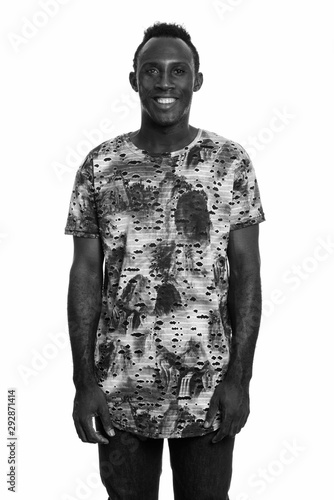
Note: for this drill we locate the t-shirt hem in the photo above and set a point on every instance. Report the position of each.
(165, 435)
(81, 234)
(250, 222)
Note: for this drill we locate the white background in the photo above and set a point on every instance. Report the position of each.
(65, 79)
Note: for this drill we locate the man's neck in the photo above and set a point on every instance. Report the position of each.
(158, 140)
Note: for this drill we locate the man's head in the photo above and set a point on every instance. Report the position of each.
(166, 74)
(168, 30)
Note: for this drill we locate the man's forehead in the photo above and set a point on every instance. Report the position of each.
(165, 48)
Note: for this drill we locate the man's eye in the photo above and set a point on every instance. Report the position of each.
(179, 71)
(152, 71)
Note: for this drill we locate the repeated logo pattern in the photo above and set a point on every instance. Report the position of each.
(164, 220)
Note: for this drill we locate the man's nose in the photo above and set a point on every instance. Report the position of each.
(165, 81)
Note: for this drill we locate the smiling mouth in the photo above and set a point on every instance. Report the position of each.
(165, 100)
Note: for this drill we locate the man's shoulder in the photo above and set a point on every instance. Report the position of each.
(110, 146)
(209, 136)
(226, 147)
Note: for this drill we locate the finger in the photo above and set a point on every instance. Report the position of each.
(80, 432)
(105, 420)
(219, 435)
(244, 420)
(210, 416)
(223, 429)
(101, 438)
(238, 425)
(93, 436)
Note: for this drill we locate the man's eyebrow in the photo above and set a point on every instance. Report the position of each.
(169, 62)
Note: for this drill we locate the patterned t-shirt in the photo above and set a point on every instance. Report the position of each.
(163, 338)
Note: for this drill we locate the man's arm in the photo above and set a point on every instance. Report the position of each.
(84, 308)
(231, 396)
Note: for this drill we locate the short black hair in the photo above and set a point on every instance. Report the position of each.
(169, 30)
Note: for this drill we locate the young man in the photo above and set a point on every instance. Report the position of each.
(163, 336)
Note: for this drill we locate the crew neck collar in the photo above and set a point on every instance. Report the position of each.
(133, 147)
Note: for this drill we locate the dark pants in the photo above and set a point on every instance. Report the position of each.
(130, 467)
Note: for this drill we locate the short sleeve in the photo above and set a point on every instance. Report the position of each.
(82, 218)
(246, 207)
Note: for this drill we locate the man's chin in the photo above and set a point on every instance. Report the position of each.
(163, 119)
(166, 121)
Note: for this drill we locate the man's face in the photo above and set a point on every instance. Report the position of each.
(166, 80)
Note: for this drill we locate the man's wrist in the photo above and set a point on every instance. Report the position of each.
(236, 375)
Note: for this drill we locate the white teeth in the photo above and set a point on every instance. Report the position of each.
(163, 100)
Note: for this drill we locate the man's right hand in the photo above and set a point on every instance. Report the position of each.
(90, 402)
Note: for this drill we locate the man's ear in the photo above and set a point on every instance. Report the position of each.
(133, 81)
(198, 82)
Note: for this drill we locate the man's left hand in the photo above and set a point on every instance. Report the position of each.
(231, 399)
